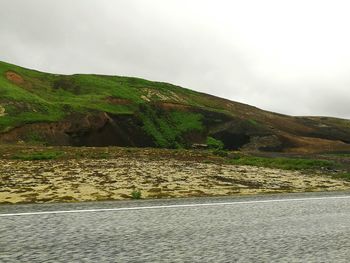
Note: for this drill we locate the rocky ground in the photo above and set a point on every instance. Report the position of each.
(88, 179)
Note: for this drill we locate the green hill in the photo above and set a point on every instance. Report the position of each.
(96, 110)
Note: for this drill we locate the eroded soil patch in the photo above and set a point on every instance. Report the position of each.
(14, 77)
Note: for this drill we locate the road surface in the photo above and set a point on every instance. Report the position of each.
(271, 228)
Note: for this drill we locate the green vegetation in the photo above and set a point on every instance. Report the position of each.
(172, 116)
(30, 96)
(167, 128)
(136, 194)
(33, 96)
(214, 143)
(34, 138)
(221, 153)
(44, 155)
(101, 155)
(216, 146)
(253, 122)
(38, 97)
(345, 176)
(284, 163)
(345, 155)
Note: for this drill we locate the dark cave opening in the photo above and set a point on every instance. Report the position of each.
(232, 141)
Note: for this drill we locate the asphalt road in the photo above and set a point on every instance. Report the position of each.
(286, 228)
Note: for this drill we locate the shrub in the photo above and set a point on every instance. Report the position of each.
(214, 143)
(168, 128)
(136, 194)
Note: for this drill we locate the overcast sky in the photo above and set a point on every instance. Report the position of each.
(291, 57)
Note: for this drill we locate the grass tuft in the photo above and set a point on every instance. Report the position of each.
(344, 176)
(136, 194)
(285, 163)
(45, 155)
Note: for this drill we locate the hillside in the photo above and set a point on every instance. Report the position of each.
(96, 110)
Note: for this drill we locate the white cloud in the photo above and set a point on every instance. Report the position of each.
(286, 56)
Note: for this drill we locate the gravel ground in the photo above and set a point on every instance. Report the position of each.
(115, 179)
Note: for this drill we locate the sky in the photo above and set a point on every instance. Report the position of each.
(291, 57)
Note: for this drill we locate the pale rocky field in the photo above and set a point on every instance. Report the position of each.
(115, 179)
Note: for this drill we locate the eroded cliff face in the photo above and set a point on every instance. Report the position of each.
(95, 129)
(129, 130)
(102, 129)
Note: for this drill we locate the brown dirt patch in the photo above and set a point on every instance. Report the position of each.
(14, 77)
(173, 106)
(118, 101)
(309, 145)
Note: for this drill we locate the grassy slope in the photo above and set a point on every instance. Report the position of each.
(50, 97)
(44, 97)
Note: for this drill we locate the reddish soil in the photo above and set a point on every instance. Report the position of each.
(173, 106)
(14, 77)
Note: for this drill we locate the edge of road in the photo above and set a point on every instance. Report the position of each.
(109, 206)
